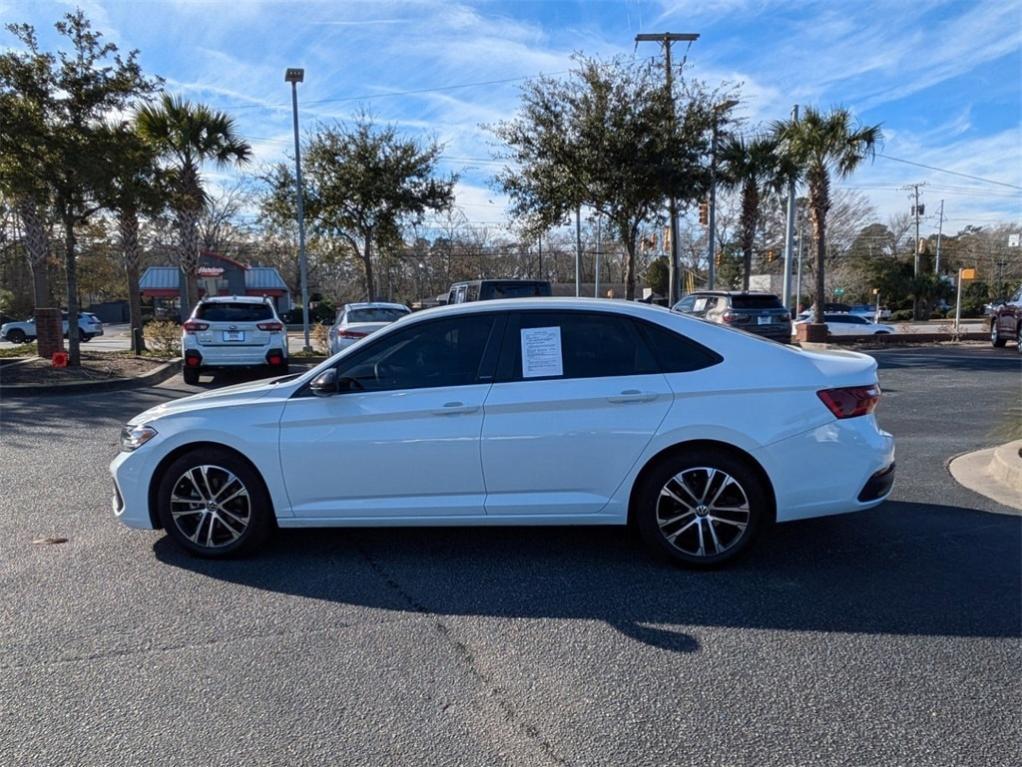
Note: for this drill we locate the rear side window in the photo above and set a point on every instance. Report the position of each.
(591, 345)
(675, 352)
(756, 302)
(239, 312)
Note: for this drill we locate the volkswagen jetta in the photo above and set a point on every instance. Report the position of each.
(520, 412)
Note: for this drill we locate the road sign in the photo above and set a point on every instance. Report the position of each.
(968, 274)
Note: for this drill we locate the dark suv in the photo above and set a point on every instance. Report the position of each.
(759, 313)
(487, 290)
(1006, 324)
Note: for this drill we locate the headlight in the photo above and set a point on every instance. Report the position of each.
(133, 437)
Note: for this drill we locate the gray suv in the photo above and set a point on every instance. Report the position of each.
(759, 313)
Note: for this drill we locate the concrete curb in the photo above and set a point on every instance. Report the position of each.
(995, 473)
(155, 376)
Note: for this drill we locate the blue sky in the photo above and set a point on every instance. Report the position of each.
(944, 78)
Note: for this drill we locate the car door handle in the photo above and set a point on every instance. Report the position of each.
(454, 408)
(633, 395)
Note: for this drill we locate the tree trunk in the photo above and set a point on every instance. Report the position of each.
(37, 246)
(750, 211)
(367, 262)
(188, 256)
(74, 356)
(629, 234)
(128, 225)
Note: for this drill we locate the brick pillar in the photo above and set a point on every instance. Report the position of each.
(49, 332)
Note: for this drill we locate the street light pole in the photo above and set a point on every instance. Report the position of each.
(666, 39)
(295, 76)
(711, 236)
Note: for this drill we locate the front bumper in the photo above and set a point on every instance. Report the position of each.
(130, 500)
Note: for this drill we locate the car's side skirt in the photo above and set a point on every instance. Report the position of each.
(508, 520)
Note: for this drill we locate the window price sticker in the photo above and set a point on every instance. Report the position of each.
(541, 352)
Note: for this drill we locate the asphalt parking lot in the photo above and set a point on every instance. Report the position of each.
(889, 637)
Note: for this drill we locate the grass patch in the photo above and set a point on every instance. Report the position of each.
(21, 350)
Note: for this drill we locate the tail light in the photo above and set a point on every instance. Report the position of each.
(192, 326)
(851, 401)
(275, 359)
(273, 327)
(729, 317)
(351, 334)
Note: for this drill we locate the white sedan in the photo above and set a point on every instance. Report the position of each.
(356, 321)
(520, 412)
(851, 325)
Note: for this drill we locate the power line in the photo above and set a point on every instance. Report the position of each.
(950, 172)
(414, 92)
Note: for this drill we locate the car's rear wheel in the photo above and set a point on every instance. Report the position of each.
(191, 376)
(995, 336)
(213, 504)
(84, 338)
(699, 507)
(16, 336)
(1018, 338)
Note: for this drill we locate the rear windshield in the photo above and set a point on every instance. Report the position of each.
(756, 302)
(376, 314)
(222, 312)
(515, 289)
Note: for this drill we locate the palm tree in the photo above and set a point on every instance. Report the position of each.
(818, 145)
(756, 168)
(188, 135)
(138, 187)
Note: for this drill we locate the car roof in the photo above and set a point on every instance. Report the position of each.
(731, 293)
(234, 300)
(632, 308)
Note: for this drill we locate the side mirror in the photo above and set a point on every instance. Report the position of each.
(325, 384)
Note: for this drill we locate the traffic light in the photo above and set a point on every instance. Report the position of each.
(771, 256)
(704, 214)
(717, 257)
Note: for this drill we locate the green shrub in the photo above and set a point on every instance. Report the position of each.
(901, 315)
(163, 337)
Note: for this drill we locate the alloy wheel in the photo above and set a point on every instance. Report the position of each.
(210, 506)
(703, 512)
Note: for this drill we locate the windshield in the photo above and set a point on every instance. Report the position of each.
(376, 314)
(756, 302)
(239, 312)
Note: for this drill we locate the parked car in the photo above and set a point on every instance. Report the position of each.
(828, 308)
(523, 412)
(759, 313)
(488, 290)
(233, 332)
(89, 326)
(356, 321)
(851, 325)
(1006, 322)
(869, 312)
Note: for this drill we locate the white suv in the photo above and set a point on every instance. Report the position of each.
(233, 332)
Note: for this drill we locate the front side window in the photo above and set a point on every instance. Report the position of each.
(573, 345)
(424, 355)
(685, 305)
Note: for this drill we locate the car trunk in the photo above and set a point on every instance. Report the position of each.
(362, 328)
(232, 334)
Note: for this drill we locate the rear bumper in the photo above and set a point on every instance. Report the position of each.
(843, 466)
(234, 356)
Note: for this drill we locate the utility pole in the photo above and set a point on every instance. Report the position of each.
(667, 39)
(599, 233)
(295, 76)
(940, 231)
(789, 230)
(541, 257)
(917, 211)
(578, 251)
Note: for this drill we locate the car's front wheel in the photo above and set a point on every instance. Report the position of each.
(996, 340)
(191, 376)
(16, 336)
(700, 507)
(213, 504)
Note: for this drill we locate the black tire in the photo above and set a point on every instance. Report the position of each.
(659, 518)
(191, 376)
(1018, 338)
(882, 333)
(236, 527)
(995, 336)
(17, 336)
(84, 338)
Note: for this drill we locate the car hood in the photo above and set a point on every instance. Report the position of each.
(225, 397)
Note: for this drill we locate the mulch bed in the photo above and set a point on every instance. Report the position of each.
(96, 366)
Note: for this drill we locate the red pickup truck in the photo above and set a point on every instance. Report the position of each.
(1006, 323)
